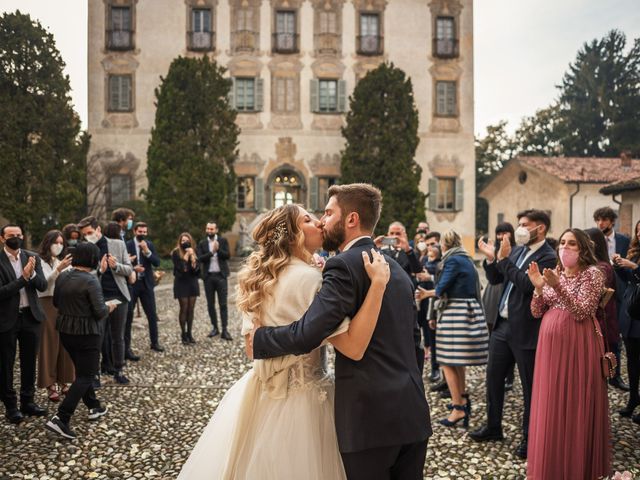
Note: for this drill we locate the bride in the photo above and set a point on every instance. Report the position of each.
(277, 421)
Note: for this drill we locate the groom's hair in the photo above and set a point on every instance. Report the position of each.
(362, 198)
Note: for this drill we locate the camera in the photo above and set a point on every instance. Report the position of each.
(390, 241)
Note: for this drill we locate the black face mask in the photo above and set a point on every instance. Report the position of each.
(185, 245)
(211, 235)
(14, 243)
(607, 231)
(140, 238)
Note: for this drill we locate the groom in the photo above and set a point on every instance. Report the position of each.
(382, 416)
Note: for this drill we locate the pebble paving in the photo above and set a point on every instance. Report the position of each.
(154, 422)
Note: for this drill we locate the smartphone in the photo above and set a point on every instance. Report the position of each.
(390, 241)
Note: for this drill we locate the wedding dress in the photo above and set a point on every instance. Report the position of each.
(277, 421)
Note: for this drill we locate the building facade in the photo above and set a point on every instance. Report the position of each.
(568, 188)
(294, 64)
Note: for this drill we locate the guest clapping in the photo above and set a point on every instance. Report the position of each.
(569, 428)
(55, 369)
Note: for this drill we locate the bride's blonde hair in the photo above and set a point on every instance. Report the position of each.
(279, 237)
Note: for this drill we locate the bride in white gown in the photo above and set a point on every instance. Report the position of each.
(277, 421)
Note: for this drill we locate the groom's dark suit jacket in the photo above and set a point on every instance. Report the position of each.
(380, 400)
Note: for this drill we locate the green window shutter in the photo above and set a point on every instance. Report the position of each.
(126, 93)
(313, 200)
(315, 98)
(433, 194)
(259, 194)
(232, 93)
(114, 93)
(342, 96)
(259, 94)
(459, 195)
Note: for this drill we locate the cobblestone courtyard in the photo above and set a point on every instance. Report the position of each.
(154, 422)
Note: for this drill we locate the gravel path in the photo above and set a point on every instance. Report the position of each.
(154, 422)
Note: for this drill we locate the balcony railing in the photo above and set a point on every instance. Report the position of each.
(445, 47)
(245, 41)
(285, 42)
(328, 43)
(370, 44)
(119, 40)
(201, 41)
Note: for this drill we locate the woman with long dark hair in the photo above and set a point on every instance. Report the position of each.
(55, 369)
(81, 320)
(569, 425)
(186, 271)
(629, 270)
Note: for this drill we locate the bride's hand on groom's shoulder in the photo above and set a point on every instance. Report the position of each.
(318, 261)
(376, 267)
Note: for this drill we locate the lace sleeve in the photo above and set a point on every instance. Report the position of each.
(583, 302)
(539, 306)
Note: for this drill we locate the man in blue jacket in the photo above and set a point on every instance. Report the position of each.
(143, 258)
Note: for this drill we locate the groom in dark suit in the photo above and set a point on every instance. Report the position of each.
(382, 416)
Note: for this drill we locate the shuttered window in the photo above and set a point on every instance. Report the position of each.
(120, 95)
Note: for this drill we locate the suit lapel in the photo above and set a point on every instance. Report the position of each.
(6, 264)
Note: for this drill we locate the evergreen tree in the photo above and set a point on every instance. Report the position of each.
(600, 99)
(42, 152)
(192, 151)
(539, 135)
(381, 136)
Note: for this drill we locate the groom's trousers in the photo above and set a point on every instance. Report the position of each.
(402, 462)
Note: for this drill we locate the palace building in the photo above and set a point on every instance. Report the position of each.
(294, 64)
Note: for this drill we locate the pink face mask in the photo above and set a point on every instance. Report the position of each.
(569, 258)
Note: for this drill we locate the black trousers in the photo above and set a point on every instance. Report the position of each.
(632, 346)
(428, 335)
(216, 284)
(402, 462)
(148, 300)
(26, 332)
(113, 338)
(502, 356)
(84, 351)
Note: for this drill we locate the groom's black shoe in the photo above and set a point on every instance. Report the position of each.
(214, 332)
(485, 434)
(225, 335)
(521, 451)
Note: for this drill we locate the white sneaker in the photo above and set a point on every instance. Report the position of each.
(96, 413)
(58, 426)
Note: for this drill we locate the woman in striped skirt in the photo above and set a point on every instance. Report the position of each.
(462, 338)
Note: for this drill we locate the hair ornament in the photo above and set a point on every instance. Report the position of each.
(278, 232)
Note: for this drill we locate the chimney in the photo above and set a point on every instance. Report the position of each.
(625, 159)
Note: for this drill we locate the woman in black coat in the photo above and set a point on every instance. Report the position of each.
(186, 272)
(81, 314)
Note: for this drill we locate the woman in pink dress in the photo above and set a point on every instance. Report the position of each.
(569, 426)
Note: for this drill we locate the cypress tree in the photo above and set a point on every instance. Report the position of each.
(381, 134)
(192, 151)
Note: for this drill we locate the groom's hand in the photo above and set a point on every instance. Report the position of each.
(250, 336)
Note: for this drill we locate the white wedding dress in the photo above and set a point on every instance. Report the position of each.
(277, 421)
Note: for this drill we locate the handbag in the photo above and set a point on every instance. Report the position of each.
(632, 300)
(608, 361)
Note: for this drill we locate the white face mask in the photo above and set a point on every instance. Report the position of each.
(422, 246)
(93, 238)
(522, 235)
(56, 249)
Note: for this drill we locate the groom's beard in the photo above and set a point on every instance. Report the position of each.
(332, 239)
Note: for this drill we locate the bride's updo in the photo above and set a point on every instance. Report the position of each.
(278, 237)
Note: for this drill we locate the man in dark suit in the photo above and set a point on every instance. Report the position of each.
(143, 258)
(213, 253)
(381, 414)
(618, 246)
(515, 333)
(21, 318)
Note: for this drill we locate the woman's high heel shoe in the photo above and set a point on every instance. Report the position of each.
(465, 420)
(468, 404)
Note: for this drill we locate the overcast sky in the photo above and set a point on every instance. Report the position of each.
(522, 47)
